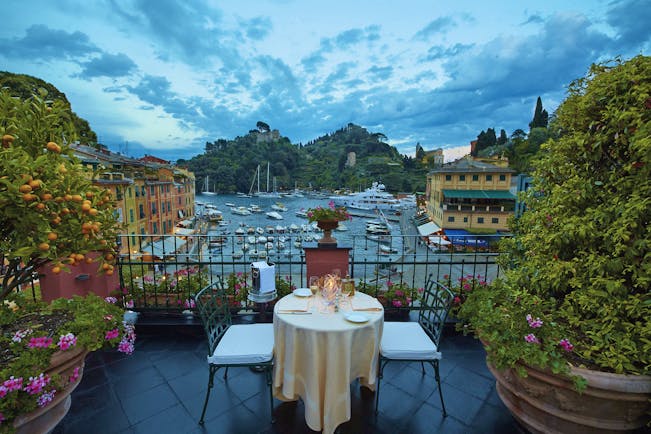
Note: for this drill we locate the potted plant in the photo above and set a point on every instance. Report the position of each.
(571, 310)
(50, 213)
(327, 219)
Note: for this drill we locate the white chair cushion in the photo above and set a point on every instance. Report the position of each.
(243, 344)
(407, 341)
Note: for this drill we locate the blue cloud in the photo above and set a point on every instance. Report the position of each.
(108, 65)
(257, 28)
(631, 21)
(437, 52)
(342, 41)
(439, 25)
(380, 72)
(43, 43)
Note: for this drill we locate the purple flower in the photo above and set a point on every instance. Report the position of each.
(36, 384)
(21, 334)
(531, 338)
(396, 303)
(111, 300)
(40, 342)
(534, 323)
(566, 345)
(46, 398)
(67, 341)
(75, 375)
(125, 346)
(112, 334)
(129, 304)
(13, 384)
(3, 391)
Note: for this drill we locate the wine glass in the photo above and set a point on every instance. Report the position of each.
(314, 284)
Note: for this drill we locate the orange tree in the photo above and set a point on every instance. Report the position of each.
(49, 209)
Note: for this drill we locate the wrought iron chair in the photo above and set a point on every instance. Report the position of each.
(417, 341)
(239, 345)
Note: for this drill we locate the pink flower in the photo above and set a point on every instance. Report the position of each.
(111, 300)
(129, 304)
(13, 384)
(534, 323)
(3, 391)
(446, 276)
(67, 341)
(457, 300)
(396, 303)
(389, 283)
(125, 346)
(40, 342)
(466, 286)
(148, 279)
(190, 304)
(46, 398)
(420, 290)
(112, 334)
(21, 334)
(36, 384)
(566, 345)
(331, 204)
(399, 293)
(531, 338)
(108, 317)
(75, 375)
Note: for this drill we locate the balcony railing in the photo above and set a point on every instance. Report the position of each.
(163, 273)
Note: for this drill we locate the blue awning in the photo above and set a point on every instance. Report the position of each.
(462, 237)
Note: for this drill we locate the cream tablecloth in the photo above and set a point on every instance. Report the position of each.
(318, 356)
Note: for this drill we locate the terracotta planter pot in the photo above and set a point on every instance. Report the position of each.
(43, 420)
(547, 403)
(327, 226)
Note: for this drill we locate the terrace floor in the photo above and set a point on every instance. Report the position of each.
(160, 389)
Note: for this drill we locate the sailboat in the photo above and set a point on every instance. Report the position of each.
(206, 190)
(267, 193)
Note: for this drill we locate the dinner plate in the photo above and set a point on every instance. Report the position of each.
(302, 292)
(356, 317)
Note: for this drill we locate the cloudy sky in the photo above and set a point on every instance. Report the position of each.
(164, 76)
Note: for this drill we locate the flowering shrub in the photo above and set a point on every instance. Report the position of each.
(237, 286)
(31, 334)
(462, 287)
(332, 212)
(578, 262)
(284, 286)
(400, 294)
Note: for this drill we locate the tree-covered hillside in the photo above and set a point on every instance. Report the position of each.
(24, 86)
(324, 163)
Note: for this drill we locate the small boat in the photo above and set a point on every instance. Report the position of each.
(274, 215)
(279, 207)
(255, 208)
(240, 210)
(301, 213)
(229, 204)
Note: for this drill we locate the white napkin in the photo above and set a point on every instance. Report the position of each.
(293, 304)
(365, 304)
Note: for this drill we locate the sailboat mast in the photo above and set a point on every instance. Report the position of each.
(258, 173)
(267, 177)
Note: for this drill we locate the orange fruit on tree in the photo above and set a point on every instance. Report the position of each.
(56, 269)
(85, 207)
(35, 183)
(25, 188)
(89, 195)
(52, 236)
(53, 147)
(44, 247)
(28, 197)
(93, 211)
(68, 197)
(105, 266)
(46, 196)
(77, 197)
(40, 206)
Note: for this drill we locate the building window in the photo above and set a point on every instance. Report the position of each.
(475, 178)
(495, 220)
(153, 209)
(152, 190)
(143, 191)
(451, 219)
(131, 215)
(448, 178)
(155, 228)
(502, 178)
(489, 177)
(142, 211)
(462, 178)
(465, 219)
(480, 219)
(164, 227)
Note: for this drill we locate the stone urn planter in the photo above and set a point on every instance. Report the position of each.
(43, 420)
(327, 226)
(548, 403)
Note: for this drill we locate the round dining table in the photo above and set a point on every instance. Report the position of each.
(319, 352)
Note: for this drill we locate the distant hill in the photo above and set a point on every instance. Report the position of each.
(350, 157)
(24, 86)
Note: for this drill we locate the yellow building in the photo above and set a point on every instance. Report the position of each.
(470, 195)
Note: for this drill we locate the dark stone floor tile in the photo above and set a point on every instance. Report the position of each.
(128, 367)
(179, 363)
(429, 419)
(238, 420)
(495, 420)
(143, 380)
(141, 406)
(474, 384)
(110, 420)
(397, 406)
(221, 401)
(174, 420)
(459, 404)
